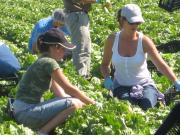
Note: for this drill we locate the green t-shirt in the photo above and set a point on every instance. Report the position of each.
(36, 80)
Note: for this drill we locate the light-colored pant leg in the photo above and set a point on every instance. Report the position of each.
(37, 115)
(78, 23)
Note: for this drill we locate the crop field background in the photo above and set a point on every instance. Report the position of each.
(17, 18)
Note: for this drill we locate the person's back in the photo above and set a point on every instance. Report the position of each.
(40, 27)
(45, 24)
(37, 80)
(8, 62)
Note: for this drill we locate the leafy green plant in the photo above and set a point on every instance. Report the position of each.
(117, 117)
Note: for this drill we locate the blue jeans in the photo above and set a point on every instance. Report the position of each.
(36, 116)
(78, 23)
(6, 68)
(149, 99)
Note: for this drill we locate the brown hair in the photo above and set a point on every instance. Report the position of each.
(118, 17)
(41, 45)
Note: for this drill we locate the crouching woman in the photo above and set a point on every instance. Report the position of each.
(42, 75)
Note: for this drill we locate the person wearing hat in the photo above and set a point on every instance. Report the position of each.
(128, 50)
(44, 74)
(43, 25)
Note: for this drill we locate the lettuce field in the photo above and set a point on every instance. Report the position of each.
(17, 19)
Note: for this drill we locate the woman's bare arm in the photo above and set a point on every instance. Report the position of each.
(107, 55)
(70, 89)
(156, 58)
(58, 90)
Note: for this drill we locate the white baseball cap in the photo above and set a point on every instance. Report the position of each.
(132, 13)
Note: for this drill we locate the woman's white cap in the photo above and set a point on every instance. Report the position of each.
(132, 13)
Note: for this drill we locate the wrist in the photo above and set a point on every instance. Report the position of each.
(177, 85)
(93, 102)
(177, 82)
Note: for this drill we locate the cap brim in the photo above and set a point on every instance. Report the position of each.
(68, 45)
(65, 45)
(136, 19)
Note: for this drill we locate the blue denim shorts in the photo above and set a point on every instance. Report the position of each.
(37, 115)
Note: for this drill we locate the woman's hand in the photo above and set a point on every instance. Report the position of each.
(177, 85)
(99, 105)
(108, 83)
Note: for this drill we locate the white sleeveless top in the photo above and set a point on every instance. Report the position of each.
(133, 70)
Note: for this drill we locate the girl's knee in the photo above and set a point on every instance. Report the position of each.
(77, 103)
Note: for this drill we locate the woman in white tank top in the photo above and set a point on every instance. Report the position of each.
(128, 51)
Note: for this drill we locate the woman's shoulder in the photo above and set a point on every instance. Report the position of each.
(111, 37)
(47, 62)
(146, 39)
(148, 43)
(110, 41)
